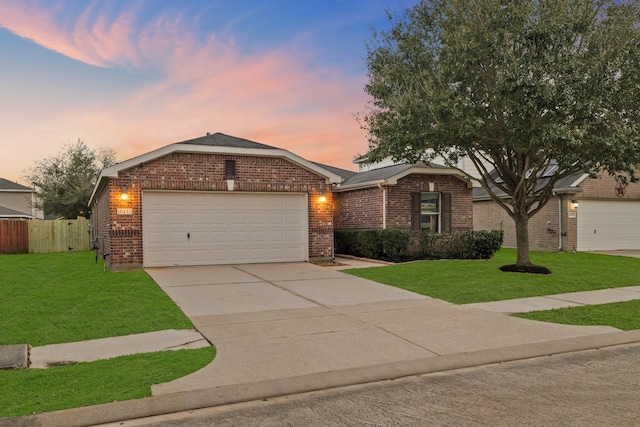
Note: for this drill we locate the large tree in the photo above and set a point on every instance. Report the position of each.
(64, 182)
(514, 86)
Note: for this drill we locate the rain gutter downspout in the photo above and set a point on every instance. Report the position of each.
(559, 222)
(384, 205)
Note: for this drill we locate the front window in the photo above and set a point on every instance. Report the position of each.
(430, 212)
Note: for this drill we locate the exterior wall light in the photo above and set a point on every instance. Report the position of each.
(123, 193)
(322, 198)
(574, 203)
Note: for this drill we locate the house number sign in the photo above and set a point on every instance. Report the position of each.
(125, 211)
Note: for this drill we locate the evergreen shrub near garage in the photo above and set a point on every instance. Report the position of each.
(403, 245)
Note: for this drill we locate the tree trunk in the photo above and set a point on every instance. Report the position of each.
(522, 239)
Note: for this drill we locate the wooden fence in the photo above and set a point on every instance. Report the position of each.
(14, 236)
(40, 236)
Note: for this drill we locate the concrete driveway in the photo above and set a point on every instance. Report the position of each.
(293, 322)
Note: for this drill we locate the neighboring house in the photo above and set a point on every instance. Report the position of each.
(405, 197)
(18, 201)
(584, 214)
(213, 200)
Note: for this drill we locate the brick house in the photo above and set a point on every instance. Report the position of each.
(405, 197)
(584, 214)
(219, 199)
(213, 200)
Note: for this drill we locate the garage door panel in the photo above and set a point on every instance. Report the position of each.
(217, 218)
(224, 228)
(257, 218)
(238, 237)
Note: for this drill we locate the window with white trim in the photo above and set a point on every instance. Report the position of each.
(430, 212)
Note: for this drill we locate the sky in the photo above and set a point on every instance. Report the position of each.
(136, 75)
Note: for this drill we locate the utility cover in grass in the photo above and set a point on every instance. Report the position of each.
(13, 356)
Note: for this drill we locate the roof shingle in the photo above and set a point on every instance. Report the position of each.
(221, 140)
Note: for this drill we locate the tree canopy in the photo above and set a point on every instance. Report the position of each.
(64, 182)
(516, 87)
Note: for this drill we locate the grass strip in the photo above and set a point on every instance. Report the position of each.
(67, 297)
(621, 315)
(469, 281)
(28, 391)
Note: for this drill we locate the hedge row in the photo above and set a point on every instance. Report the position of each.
(402, 245)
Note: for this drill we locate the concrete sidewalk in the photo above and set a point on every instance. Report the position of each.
(551, 302)
(289, 328)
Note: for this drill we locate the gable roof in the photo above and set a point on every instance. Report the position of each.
(7, 185)
(221, 140)
(217, 143)
(390, 175)
(12, 213)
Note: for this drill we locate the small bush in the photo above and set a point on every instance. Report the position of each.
(483, 244)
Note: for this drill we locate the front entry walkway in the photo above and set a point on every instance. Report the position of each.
(290, 324)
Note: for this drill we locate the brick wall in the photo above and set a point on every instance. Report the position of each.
(604, 187)
(205, 172)
(363, 209)
(359, 209)
(487, 215)
(100, 222)
(399, 200)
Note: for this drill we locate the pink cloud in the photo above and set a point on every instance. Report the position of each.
(206, 86)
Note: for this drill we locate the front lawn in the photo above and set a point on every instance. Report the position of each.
(469, 281)
(27, 391)
(621, 315)
(66, 297)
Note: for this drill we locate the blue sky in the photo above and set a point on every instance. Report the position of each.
(138, 75)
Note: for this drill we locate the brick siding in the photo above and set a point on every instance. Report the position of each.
(363, 208)
(359, 209)
(604, 187)
(545, 228)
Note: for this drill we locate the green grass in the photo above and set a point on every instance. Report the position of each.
(468, 281)
(621, 315)
(66, 297)
(27, 391)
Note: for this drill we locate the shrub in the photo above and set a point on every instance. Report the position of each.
(483, 244)
(427, 241)
(395, 244)
(403, 245)
(368, 244)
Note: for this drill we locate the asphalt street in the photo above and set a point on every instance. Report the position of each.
(588, 388)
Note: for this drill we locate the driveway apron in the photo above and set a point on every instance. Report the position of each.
(279, 321)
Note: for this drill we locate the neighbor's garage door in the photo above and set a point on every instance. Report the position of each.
(608, 225)
(186, 228)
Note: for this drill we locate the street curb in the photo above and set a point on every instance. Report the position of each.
(225, 395)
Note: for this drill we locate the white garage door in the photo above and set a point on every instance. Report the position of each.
(183, 228)
(608, 225)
